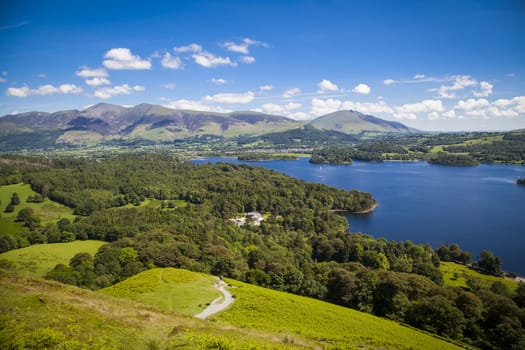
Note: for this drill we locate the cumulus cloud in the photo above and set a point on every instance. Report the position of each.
(361, 89)
(218, 81)
(299, 116)
(18, 92)
(419, 76)
(125, 89)
(44, 90)
(231, 98)
(368, 107)
(279, 109)
(123, 59)
(327, 85)
(171, 62)
(389, 81)
(188, 48)
(243, 46)
(486, 89)
(409, 111)
(460, 82)
(97, 81)
(86, 72)
(195, 106)
(209, 60)
(291, 92)
(265, 87)
(247, 59)
(325, 106)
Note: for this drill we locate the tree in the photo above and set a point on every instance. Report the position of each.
(62, 273)
(15, 200)
(489, 264)
(438, 315)
(10, 208)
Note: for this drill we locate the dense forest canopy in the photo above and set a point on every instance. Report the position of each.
(302, 246)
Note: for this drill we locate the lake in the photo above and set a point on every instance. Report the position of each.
(477, 207)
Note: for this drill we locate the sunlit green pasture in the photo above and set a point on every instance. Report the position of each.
(37, 260)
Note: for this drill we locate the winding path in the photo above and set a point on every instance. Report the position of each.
(218, 304)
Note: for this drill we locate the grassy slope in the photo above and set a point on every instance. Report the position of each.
(168, 289)
(326, 324)
(462, 273)
(39, 314)
(37, 260)
(48, 211)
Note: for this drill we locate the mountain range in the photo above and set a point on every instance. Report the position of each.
(105, 122)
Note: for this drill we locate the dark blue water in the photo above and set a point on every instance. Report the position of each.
(477, 207)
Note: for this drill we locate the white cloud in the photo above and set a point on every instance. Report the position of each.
(247, 59)
(171, 62)
(86, 72)
(42, 75)
(123, 59)
(169, 86)
(389, 81)
(300, 116)
(460, 82)
(125, 89)
(3, 80)
(325, 106)
(424, 106)
(195, 106)
(209, 60)
(327, 85)
(368, 107)
(362, 89)
(282, 109)
(18, 92)
(472, 104)
(243, 46)
(44, 90)
(97, 81)
(231, 98)
(486, 89)
(265, 87)
(219, 81)
(419, 76)
(291, 92)
(188, 48)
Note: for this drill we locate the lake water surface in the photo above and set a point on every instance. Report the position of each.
(477, 207)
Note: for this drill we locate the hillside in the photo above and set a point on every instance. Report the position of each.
(44, 314)
(352, 122)
(39, 259)
(104, 122)
(151, 124)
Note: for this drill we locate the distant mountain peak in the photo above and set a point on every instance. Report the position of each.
(351, 122)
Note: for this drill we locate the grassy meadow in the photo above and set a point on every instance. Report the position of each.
(456, 275)
(327, 325)
(40, 314)
(37, 260)
(168, 289)
(48, 211)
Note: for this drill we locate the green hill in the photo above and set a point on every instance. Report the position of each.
(351, 122)
(37, 260)
(42, 314)
(168, 289)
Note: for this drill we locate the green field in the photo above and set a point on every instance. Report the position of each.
(37, 260)
(168, 289)
(40, 314)
(323, 323)
(48, 211)
(455, 275)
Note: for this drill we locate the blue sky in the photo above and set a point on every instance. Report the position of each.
(433, 65)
